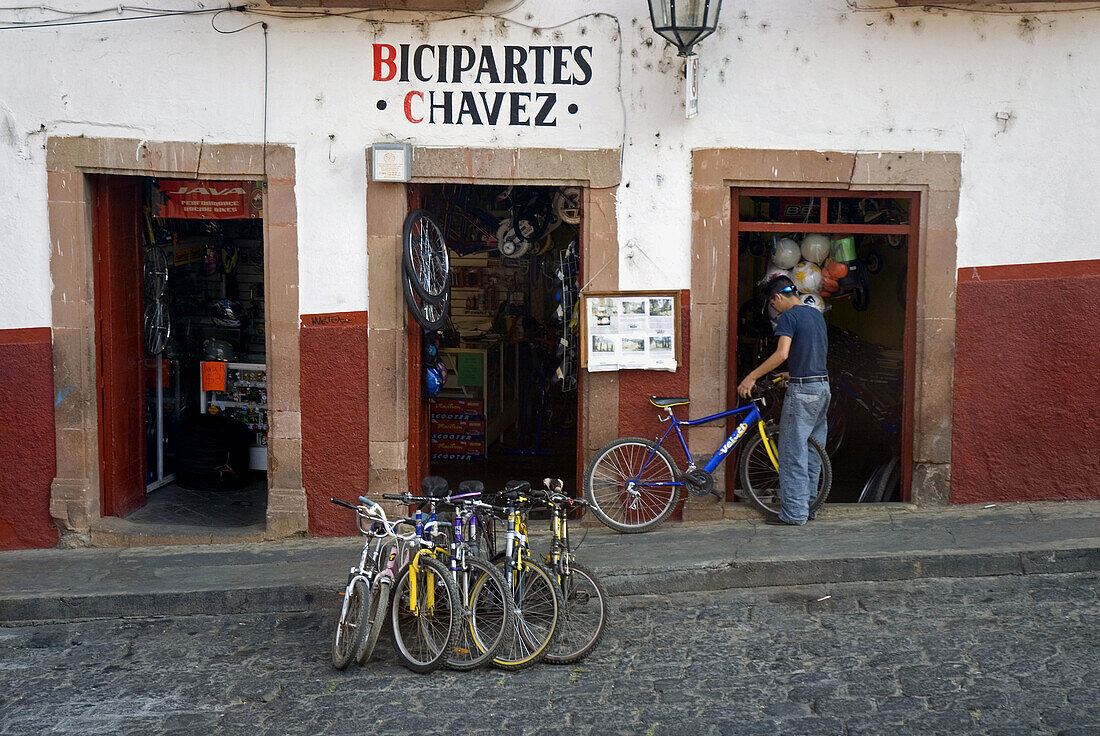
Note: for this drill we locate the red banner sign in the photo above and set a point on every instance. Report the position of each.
(209, 200)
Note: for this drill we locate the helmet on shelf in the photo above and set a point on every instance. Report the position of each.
(787, 253)
(815, 248)
(435, 375)
(807, 277)
(214, 349)
(226, 313)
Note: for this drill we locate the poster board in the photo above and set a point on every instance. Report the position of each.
(630, 330)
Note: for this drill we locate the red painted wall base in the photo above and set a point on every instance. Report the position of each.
(1027, 364)
(335, 426)
(27, 448)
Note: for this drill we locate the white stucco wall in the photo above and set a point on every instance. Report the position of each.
(786, 74)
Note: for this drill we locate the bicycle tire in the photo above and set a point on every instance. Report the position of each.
(606, 478)
(376, 615)
(486, 616)
(423, 639)
(581, 623)
(427, 315)
(424, 256)
(350, 631)
(538, 605)
(889, 477)
(760, 479)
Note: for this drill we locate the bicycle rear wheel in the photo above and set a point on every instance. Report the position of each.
(424, 634)
(350, 628)
(581, 622)
(486, 615)
(629, 484)
(760, 476)
(538, 605)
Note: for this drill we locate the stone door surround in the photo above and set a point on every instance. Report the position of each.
(936, 175)
(75, 493)
(598, 171)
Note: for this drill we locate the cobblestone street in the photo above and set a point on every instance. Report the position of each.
(1005, 656)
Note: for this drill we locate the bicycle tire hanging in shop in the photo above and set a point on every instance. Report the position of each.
(425, 270)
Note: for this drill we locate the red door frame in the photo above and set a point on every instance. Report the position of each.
(120, 347)
(912, 230)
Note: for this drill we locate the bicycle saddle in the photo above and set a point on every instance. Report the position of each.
(471, 486)
(663, 402)
(434, 487)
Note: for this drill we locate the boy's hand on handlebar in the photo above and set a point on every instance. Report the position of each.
(744, 389)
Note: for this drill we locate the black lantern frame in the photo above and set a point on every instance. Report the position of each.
(679, 29)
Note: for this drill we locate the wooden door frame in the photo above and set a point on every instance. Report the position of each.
(75, 503)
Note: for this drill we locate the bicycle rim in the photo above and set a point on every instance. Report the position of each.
(608, 480)
(376, 614)
(350, 633)
(486, 616)
(537, 607)
(425, 256)
(422, 637)
(581, 622)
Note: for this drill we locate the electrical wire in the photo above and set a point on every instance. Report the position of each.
(152, 15)
(964, 9)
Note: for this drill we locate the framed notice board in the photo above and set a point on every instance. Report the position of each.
(630, 330)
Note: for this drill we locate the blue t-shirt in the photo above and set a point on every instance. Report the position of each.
(809, 341)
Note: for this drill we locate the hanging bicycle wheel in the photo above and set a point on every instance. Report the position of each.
(155, 273)
(424, 257)
(429, 315)
(760, 475)
(158, 327)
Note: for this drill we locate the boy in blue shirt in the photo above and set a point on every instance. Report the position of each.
(804, 344)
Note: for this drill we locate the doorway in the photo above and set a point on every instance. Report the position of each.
(851, 255)
(499, 380)
(184, 439)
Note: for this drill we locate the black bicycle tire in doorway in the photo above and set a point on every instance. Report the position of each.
(424, 258)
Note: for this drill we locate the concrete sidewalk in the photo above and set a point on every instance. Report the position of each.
(846, 543)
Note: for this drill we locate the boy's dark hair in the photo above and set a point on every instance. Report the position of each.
(774, 286)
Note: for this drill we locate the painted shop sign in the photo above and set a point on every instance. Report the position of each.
(505, 85)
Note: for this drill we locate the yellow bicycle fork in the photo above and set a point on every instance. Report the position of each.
(773, 451)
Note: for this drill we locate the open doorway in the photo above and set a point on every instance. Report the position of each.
(192, 451)
(851, 255)
(504, 405)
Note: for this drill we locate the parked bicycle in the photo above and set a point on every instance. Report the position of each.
(633, 484)
(535, 595)
(484, 602)
(584, 613)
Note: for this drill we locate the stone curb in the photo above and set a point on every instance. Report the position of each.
(1082, 556)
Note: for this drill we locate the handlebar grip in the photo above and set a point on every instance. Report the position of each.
(393, 496)
(366, 502)
(341, 502)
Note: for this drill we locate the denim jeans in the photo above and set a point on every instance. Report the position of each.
(804, 415)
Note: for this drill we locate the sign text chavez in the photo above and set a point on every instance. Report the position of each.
(550, 66)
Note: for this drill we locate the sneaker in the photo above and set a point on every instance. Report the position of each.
(774, 520)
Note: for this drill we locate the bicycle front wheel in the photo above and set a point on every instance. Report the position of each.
(350, 628)
(760, 475)
(424, 629)
(580, 625)
(630, 485)
(486, 615)
(537, 602)
(376, 614)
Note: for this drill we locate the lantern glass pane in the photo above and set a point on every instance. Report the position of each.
(662, 15)
(691, 13)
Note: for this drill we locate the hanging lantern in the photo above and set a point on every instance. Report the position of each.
(684, 23)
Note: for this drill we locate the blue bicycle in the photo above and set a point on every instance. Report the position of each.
(633, 484)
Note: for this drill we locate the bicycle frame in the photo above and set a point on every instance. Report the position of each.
(752, 417)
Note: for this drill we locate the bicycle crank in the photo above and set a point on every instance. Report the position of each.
(699, 482)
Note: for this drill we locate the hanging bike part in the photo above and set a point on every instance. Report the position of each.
(510, 243)
(424, 256)
(158, 327)
(155, 273)
(567, 204)
(428, 315)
